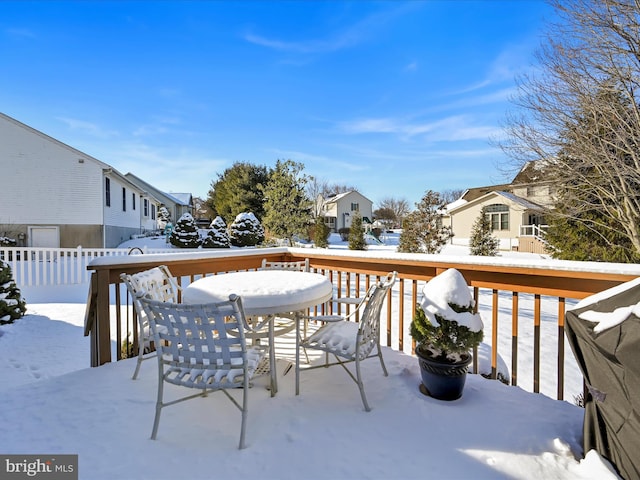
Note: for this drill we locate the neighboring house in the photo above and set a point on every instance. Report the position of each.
(517, 210)
(338, 210)
(53, 195)
(176, 203)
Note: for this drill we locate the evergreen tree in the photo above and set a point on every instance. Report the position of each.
(423, 231)
(246, 231)
(593, 237)
(287, 208)
(12, 306)
(217, 237)
(321, 232)
(238, 190)
(356, 233)
(185, 233)
(482, 241)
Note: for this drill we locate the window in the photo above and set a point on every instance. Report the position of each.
(153, 211)
(133, 201)
(107, 192)
(355, 207)
(145, 207)
(124, 199)
(499, 216)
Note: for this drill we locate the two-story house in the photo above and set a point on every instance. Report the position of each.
(516, 210)
(53, 195)
(338, 210)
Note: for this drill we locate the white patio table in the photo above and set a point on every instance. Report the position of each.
(265, 293)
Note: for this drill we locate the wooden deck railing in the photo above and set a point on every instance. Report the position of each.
(352, 272)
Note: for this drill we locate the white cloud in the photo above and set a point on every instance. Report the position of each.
(20, 32)
(348, 37)
(88, 127)
(452, 128)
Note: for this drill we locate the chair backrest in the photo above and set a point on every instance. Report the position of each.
(369, 326)
(301, 266)
(201, 337)
(156, 283)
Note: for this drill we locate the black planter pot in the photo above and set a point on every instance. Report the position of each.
(442, 380)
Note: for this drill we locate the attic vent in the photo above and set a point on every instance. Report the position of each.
(81, 160)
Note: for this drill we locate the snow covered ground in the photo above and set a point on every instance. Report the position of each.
(52, 403)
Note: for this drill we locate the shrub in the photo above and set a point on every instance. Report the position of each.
(12, 306)
(246, 230)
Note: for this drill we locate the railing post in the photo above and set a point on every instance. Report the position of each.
(103, 329)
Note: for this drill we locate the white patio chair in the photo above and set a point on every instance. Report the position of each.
(158, 284)
(350, 341)
(281, 324)
(203, 347)
(299, 266)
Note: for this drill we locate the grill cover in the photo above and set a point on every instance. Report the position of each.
(610, 363)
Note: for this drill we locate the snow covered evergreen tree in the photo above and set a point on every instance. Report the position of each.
(246, 230)
(185, 233)
(164, 217)
(12, 306)
(482, 241)
(217, 237)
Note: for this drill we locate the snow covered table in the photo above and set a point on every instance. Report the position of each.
(264, 293)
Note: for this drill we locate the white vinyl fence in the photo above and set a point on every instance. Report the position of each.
(57, 266)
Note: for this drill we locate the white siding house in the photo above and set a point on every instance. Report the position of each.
(53, 195)
(338, 210)
(176, 203)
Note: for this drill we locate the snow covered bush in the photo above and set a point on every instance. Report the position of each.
(164, 217)
(445, 324)
(217, 237)
(12, 306)
(246, 230)
(7, 242)
(185, 233)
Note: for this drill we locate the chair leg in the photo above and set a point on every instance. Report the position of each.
(156, 420)
(361, 387)
(245, 409)
(384, 368)
(140, 354)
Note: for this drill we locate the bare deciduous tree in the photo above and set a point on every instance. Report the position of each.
(579, 113)
(399, 207)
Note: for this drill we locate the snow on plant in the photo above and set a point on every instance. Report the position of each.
(185, 233)
(12, 306)
(217, 237)
(246, 230)
(445, 323)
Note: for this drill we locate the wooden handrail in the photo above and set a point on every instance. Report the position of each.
(351, 271)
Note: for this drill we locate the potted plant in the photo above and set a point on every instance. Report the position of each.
(446, 329)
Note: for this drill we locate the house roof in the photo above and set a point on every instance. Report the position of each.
(476, 192)
(526, 204)
(171, 197)
(182, 198)
(338, 196)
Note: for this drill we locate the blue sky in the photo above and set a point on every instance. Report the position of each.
(392, 97)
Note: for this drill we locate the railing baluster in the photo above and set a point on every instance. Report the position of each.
(561, 312)
(514, 338)
(536, 343)
(494, 334)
